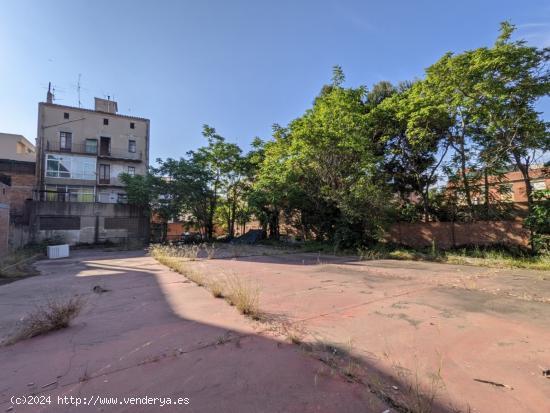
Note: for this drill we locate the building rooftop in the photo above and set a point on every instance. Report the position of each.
(55, 105)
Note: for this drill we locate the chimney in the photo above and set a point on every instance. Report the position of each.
(106, 105)
(49, 96)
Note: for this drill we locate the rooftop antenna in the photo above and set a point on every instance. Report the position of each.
(49, 95)
(78, 90)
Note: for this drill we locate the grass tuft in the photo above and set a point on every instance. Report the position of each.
(244, 295)
(55, 315)
(217, 287)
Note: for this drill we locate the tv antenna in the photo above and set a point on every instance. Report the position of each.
(78, 90)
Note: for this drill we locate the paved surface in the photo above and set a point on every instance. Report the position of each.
(156, 334)
(485, 332)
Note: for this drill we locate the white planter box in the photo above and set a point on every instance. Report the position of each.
(58, 251)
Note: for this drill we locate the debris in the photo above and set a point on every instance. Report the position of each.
(494, 383)
(387, 411)
(98, 289)
(253, 236)
(395, 387)
(30, 384)
(49, 384)
(9, 409)
(546, 373)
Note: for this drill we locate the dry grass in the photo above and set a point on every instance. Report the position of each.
(216, 287)
(244, 295)
(54, 315)
(210, 250)
(417, 391)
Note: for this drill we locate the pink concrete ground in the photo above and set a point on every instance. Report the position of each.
(412, 319)
(156, 334)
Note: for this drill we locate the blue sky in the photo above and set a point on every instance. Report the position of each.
(239, 66)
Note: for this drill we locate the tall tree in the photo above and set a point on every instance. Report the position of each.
(222, 162)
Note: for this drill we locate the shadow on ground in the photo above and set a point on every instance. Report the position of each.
(154, 333)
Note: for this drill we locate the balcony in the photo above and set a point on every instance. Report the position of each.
(121, 153)
(94, 150)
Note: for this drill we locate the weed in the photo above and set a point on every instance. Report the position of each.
(244, 295)
(210, 250)
(294, 333)
(54, 315)
(419, 391)
(217, 287)
(223, 339)
(497, 257)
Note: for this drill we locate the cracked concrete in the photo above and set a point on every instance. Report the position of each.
(153, 334)
(420, 317)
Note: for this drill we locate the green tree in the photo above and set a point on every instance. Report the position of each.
(223, 164)
(411, 127)
(322, 170)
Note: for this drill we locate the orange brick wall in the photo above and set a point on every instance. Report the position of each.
(448, 234)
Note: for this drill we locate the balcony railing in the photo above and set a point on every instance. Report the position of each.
(95, 150)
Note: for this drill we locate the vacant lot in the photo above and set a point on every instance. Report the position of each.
(475, 336)
(365, 334)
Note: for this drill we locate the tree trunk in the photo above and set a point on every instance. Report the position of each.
(465, 181)
(524, 169)
(486, 190)
(426, 203)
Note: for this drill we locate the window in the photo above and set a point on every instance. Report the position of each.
(91, 146)
(131, 171)
(83, 168)
(104, 174)
(122, 198)
(105, 121)
(80, 194)
(74, 167)
(69, 193)
(538, 185)
(65, 141)
(58, 166)
(132, 125)
(132, 146)
(66, 115)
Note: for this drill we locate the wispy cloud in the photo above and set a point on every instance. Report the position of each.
(535, 33)
(356, 17)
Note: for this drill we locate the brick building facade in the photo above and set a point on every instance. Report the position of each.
(21, 179)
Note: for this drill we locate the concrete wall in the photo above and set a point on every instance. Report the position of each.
(448, 234)
(88, 222)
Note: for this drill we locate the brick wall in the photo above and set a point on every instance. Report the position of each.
(22, 181)
(4, 218)
(21, 190)
(448, 234)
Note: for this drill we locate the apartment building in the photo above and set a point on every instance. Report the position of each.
(82, 152)
(16, 147)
